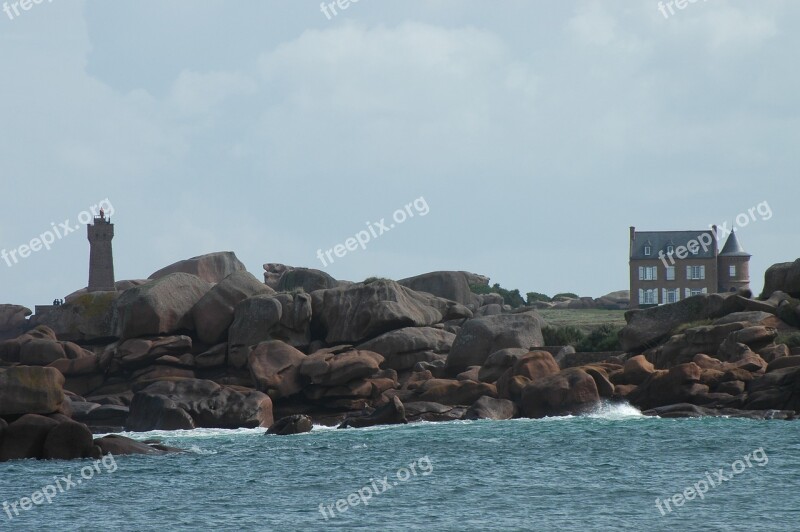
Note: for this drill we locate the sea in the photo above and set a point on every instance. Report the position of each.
(612, 469)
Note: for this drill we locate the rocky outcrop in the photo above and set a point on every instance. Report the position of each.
(193, 403)
(296, 424)
(30, 390)
(480, 337)
(300, 279)
(213, 313)
(275, 368)
(785, 277)
(571, 391)
(88, 317)
(12, 320)
(392, 413)
(162, 306)
(446, 284)
(356, 313)
(403, 348)
(211, 268)
(647, 327)
(491, 408)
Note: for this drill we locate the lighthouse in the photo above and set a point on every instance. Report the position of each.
(101, 259)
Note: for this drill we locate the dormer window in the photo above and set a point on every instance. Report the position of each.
(647, 250)
(670, 250)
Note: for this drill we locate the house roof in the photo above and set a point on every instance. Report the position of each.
(659, 240)
(733, 248)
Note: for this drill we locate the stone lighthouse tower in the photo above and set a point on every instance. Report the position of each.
(101, 259)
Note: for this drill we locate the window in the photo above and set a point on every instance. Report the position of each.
(670, 273)
(670, 250)
(648, 297)
(648, 273)
(732, 270)
(695, 272)
(647, 250)
(673, 296)
(697, 291)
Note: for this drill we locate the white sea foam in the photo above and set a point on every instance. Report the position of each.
(615, 411)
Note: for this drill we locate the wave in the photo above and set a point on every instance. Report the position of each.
(615, 411)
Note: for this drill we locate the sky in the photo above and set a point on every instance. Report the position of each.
(517, 139)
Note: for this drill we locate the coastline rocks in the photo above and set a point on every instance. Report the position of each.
(275, 368)
(30, 390)
(453, 392)
(191, 403)
(211, 268)
(213, 313)
(491, 408)
(117, 445)
(356, 313)
(571, 391)
(392, 413)
(446, 284)
(646, 327)
(480, 337)
(679, 384)
(302, 279)
(783, 276)
(403, 348)
(85, 317)
(162, 306)
(13, 317)
(296, 424)
(329, 369)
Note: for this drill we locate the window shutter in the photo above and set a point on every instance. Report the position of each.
(655, 273)
(705, 290)
(688, 272)
(663, 295)
(702, 272)
(641, 273)
(641, 296)
(688, 292)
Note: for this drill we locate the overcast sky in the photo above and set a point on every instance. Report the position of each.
(536, 132)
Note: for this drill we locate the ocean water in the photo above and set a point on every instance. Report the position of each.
(602, 471)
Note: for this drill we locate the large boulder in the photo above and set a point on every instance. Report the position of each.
(205, 404)
(454, 392)
(84, 318)
(447, 284)
(139, 352)
(284, 316)
(329, 369)
(30, 390)
(304, 279)
(295, 424)
(12, 319)
(117, 445)
(392, 413)
(571, 391)
(647, 327)
(275, 368)
(212, 268)
(69, 441)
(679, 384)
(783, 276)
(359, 312)
(162, 306)
(480, 337)
(404, 347)
(26, 437)
(213, 313)
(491, 408)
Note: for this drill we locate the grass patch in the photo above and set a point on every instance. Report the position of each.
(586, 320)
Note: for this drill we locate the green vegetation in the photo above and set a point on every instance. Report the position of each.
(369, 280)
(533, 297)
(791, 340)
(602, 338)
(510, 297)
(584, 319)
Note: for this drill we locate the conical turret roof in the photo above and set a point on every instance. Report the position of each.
(733, 248)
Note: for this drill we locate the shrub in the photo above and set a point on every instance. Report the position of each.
(565, 335)
(564, 296)
(536, 296)
(603, 338)
(510, 297)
